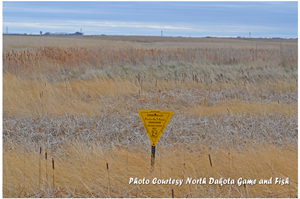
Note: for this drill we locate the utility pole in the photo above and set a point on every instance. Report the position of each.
(249, 34)
(161, 33)
(81, 30)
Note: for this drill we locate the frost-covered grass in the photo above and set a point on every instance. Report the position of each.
(126, 130)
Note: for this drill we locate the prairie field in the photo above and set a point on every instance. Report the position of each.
(71, 126)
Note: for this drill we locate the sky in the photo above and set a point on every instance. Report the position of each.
(174, 18)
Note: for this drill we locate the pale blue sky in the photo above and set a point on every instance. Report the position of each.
(198, 19)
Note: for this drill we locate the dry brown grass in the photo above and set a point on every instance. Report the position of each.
(20, 43)
(244, 108)
(37, 98)
(78, 98)
(80, 171)
(71, 61)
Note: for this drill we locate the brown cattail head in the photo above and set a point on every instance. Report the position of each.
(107, 166)
(40, 150)
(53, 163)
(46, 155)
(184, 164)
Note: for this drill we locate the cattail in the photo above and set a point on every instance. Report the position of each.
(193, 76)
(184, 168)
(46, 167)
(108, 179)
(172, 193)
(53, 173)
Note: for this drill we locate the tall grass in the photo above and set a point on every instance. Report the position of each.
(235, 116)
(21, 43)
(81, 171)
(71, 61)
(37, 97)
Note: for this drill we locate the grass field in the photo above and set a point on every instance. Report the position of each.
(235, 104)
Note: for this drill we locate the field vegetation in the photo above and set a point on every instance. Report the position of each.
(76, 98)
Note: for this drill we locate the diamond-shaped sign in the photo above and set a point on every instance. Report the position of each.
(155, 122)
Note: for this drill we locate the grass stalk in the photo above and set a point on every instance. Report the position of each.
(40, 168)
(53, 174)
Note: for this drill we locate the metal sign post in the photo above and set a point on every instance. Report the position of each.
(152, 158)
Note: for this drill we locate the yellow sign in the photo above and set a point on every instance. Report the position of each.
(155, 123)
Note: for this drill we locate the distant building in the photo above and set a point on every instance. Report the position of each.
(78, 33)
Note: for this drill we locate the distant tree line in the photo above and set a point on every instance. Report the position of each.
(47, 33)
(61, 33)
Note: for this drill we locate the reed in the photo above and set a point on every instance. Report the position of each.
(48, 61)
